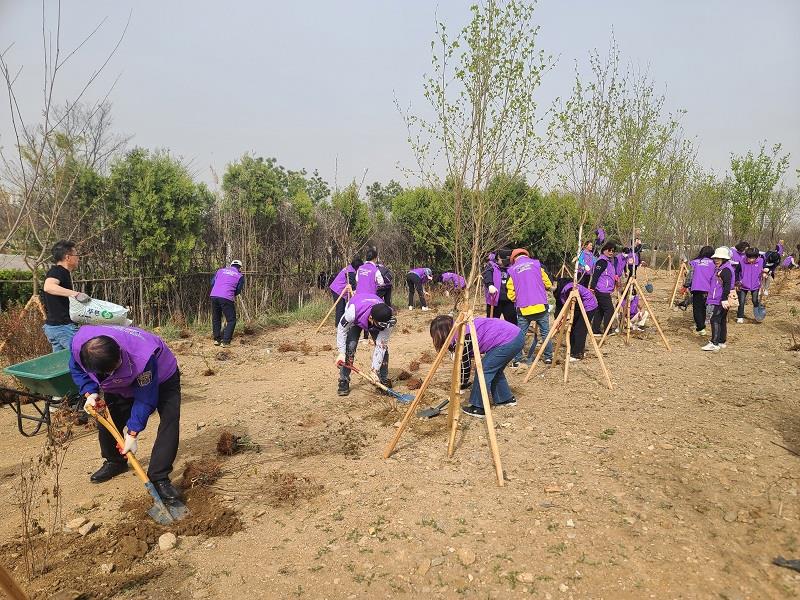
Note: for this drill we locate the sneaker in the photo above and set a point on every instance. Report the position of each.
(514, 364)
(225, 345)
(217, 342)
(643, 320)
(425, 308)
(548, 361)
(740, 321)
(722, 345)
(344, 388)
(473, 411)
(574, 359)
(701, 332)
(597, 334)
(410, 308)
(710, 347)
(511, 402)
(636, 328)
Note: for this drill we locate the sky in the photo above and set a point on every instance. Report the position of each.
(314, 83)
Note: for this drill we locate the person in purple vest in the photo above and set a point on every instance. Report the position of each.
(226, 284)
(790, 262)
(585, 262)
(722, 283)
(369, 314)
(527, 288)
(453, 281)
(490, 276)
(385, 289)
(604, 280)
(498, 342)
(416, 280)
(346, 276)
(368, 275)
(577, 335)
(779, 247)
(638, 317)
(700, 276)
(737, 252)
(133, 373)
(601, 236)
(749, 275)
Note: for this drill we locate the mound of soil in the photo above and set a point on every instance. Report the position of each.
(289, 488)
(414, 365)
(340, 437)
(201, 473)
(403, 375)
(288, 346)
(414, 383)
(425, 357)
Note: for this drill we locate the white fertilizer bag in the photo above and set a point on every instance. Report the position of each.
(98, 312)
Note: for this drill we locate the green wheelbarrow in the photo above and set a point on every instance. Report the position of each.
(43, 378)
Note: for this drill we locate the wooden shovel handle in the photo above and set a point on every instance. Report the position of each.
(108, 423)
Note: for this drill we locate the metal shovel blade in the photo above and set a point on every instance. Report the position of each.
(402, 398)
(159, 511)
(432, 411)
(177, 509)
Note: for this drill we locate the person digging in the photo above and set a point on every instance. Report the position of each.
(137, 375)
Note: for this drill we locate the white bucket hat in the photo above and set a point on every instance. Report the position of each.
(236, 263)
(722, 252)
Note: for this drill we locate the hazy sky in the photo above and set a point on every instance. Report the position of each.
(309, 82)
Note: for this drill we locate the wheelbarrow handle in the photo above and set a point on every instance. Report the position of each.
(108, 423)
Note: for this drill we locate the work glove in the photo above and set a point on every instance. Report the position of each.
(340, 360)
(684, 290)
(82, 298)
(725, 304)
(373, 374)
(94, 401)
(492, 290)
(130, 445)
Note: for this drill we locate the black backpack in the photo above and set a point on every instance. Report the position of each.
(386, 274)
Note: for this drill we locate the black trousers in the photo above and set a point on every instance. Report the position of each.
(699, 310)
(220, 307)
(165, 448)
(577, 336)
(719, 325)
(603, 312)
(340, 305)
(743, 300)
(504, 309)
(415, 283)
(351, 345)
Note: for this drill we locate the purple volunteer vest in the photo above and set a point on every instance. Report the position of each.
(621, 260)
(606, 281)
(779, 249)
(703, 270)
(736, 256)
(587, 259)
(340, 281)
(787, 262)
(601, 235)
(715, 293)
(137, 347)
(588, 298)
(420, 272)
(634, 306)
(366, 279)
(364, 304)
(492, 333)
(526, 273)
(751, 274)
(225, 282)
(497, 280)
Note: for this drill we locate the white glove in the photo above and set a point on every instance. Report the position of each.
(725, 304)
(492, 290)
(131, 445)
(82, 298)
(93, 401)
(340, 360)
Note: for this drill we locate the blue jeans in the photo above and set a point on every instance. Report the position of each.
(543, 320)
(60, 336)
(494, 362)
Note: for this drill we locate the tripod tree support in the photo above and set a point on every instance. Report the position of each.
(460, 325)
(681, 272)
(347, 290)
(564, 317)
(629, 289)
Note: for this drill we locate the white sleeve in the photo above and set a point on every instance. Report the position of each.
(381, 346)
(341, 330)
(378, 277)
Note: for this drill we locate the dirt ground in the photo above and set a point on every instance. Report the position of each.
(673, 485)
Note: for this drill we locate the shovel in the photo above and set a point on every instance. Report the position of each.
(432, 411)
(402, 398)
(161, 513)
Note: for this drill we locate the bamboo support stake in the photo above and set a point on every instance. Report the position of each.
(594, 342)
(486, 406)
(421, 392)
(455, 396)
(567, 342)
(327, 316)
(681, 272)
(557, 324)
(9, 586)
(653, 315)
